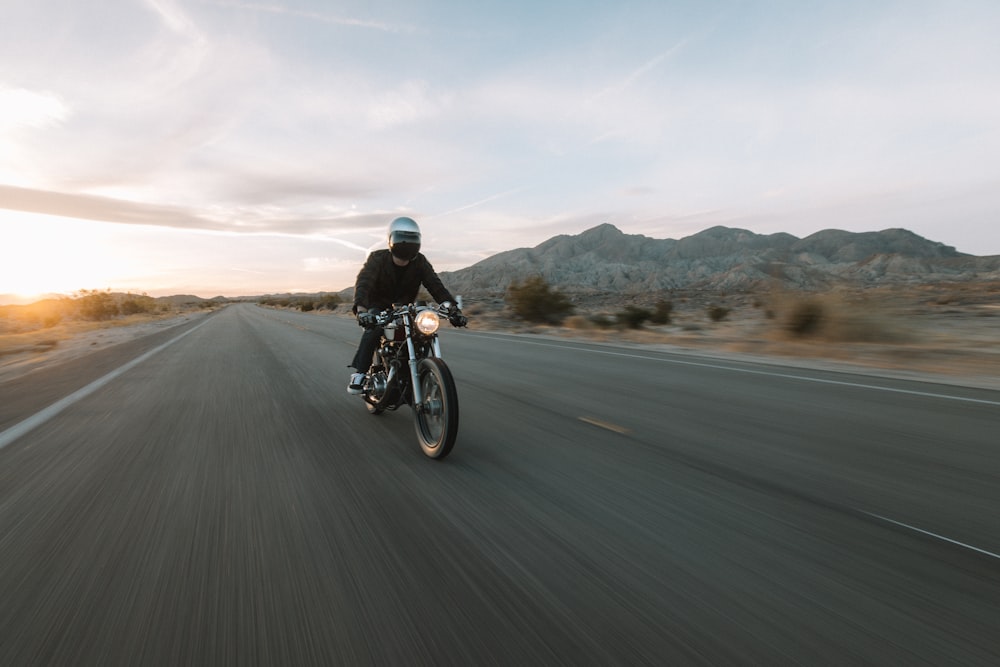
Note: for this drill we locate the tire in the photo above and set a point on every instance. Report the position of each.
(436, 419)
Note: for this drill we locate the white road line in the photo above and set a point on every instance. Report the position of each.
(934, 535)
(751, 371)
(39, 418)
(600, 423)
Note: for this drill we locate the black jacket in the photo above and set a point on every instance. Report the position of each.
(381, 283)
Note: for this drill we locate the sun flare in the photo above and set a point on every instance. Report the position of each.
(47, 255)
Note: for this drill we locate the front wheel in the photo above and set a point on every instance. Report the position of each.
(437, 415)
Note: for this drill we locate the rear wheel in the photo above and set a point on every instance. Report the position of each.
(437, 414)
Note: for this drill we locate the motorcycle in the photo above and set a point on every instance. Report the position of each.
(407, 369)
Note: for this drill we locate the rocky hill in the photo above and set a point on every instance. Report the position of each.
(604, 259)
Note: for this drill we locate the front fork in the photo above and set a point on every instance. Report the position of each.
(418, 396)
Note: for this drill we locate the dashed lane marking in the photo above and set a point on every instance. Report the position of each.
(600, 423)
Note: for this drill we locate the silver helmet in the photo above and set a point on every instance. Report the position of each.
(404, 238)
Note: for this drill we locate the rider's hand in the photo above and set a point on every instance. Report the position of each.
(457, 319)
(366, 319)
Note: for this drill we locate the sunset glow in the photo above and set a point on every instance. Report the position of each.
(51, 255)
(243, 148)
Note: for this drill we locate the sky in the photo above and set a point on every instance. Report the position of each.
(234, 147)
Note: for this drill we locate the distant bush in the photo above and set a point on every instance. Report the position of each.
(633, 317)
(832, 317)
(662, 312)
(329, 302)
(533, 300)
(96, 305)
(805, 318)
(133, 304)
(718, 313)
(305, 304)
(602, 321)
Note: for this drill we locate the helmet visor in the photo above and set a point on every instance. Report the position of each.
(404, 244)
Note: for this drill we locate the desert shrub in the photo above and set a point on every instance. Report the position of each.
(805, 318)
(633, 317)
(133, 304)
(717, 313)
(662, 312)
(307, 306)
(329, 301)
(97, 305)
(834, 318)
(473, 309)
(602, 321)
(535, 301)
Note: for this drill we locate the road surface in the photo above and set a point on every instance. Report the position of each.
(213, 496)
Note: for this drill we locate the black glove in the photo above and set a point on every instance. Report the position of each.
(366, 319)
(456, 318)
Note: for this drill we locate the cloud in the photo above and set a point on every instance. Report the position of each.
(476, 204)
(234, 221)
(150, 108)
(258, 184)
(411, 102)
(90, 207)
(619, 87)
(318, 16)
(261, 118)
(25, 115)
(22, 108)
(175, 19)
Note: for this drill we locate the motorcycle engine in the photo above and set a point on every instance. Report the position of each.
(378, 384)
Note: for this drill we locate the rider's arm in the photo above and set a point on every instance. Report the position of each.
(364, 284)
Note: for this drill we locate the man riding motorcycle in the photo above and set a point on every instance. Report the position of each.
(393, 276)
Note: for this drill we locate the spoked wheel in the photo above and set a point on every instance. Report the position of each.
(437, 415)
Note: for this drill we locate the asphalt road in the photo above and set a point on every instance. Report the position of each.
(223, 501)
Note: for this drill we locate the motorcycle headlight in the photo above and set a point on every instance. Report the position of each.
(427, 322)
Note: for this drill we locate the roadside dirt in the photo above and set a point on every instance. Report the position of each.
(945, 334)
(23, 353)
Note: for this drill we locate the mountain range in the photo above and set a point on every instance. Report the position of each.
(604, 259)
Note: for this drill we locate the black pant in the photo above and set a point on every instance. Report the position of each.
(366, 349)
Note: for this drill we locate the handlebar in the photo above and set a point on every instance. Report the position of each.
(384, 317)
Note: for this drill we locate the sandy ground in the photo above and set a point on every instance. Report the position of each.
(968, 357)
(936, 337)
(953, 344)
(26, 353)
